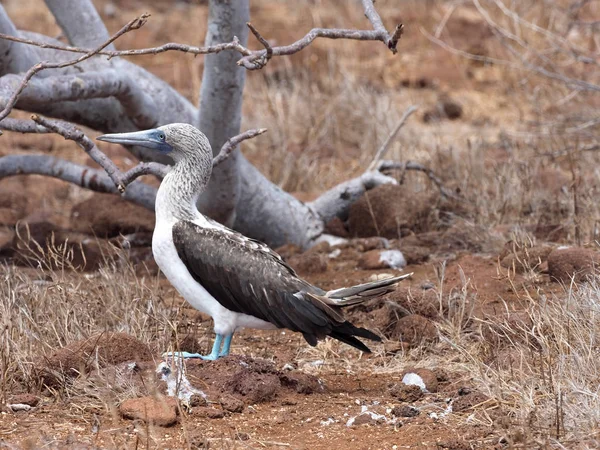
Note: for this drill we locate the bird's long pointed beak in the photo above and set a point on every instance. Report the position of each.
(154, 139)
(146, 138)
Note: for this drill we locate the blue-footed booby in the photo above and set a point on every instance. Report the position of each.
(238, 281)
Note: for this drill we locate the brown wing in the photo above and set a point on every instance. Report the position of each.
(247, 277)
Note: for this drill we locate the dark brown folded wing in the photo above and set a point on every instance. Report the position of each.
(246, 276)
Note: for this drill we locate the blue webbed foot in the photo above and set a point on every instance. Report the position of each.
(187, 355)
(215, 354)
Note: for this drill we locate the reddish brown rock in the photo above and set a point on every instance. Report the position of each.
(309, 263)
(337, 227)
(387, 210)
(405, 411)
(382, 259)
(107, 215)
(370, 243)
(415, 254)
(231, 404)
(208, 412)
(13, 206)
(161, 411)
(577, 263)
(406, 393)
(522, 260)
(255, 387)
(466, 403)
(414, 329)
(251, 380)
(80, 356)
(424, 302)
(25, 399)
(302, 383)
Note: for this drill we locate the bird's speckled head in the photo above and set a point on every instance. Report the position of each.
(185, 141)
(181, 141)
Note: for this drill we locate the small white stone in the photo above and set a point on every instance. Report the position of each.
(411, 379)
(393, 258)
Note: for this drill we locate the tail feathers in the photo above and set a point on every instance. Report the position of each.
(347, 333)
(358, 294)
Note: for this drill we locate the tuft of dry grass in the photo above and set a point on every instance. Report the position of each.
(45, 309)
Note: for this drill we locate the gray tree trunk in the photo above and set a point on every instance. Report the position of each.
(80, 22)
(16, 57)
(220, 114)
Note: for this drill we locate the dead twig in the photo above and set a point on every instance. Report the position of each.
(134, 24)
(263, 41)
(411, 165)
(230, 145)
(120, 179)
(384, 148)
(251, 59)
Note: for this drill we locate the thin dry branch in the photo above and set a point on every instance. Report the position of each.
(132, 25)
(269, 50)
(23, 126)
(411, 165)
(251, 59)
(121, 180)
(384, 148)
(84, 176)
(230, 145)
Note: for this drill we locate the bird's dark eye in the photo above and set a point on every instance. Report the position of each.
(161, 136)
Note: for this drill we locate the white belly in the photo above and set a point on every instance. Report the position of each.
(165, 254)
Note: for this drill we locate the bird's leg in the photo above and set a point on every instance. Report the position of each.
(214, 354)
(226, 344)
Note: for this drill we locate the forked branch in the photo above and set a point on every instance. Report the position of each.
(251, 59)
(132, 25)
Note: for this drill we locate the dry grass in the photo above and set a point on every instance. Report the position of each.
(46, 309)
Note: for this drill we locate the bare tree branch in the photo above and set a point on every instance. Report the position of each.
(171, 46)
(132, 25)
(16, 57)
(137, 104)
(384, 148)
(231, 144)
(84, 176)
(411, 165)
(336, 201)
(269, 50)
(251, 59)
(390, 40)
(23, 126)
(120, 179)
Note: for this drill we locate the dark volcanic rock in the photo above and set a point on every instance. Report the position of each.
(406, 393)
(249, 380)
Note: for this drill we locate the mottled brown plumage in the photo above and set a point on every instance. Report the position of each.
(247, 277)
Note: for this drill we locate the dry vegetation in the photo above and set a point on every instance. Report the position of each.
(522, 156)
